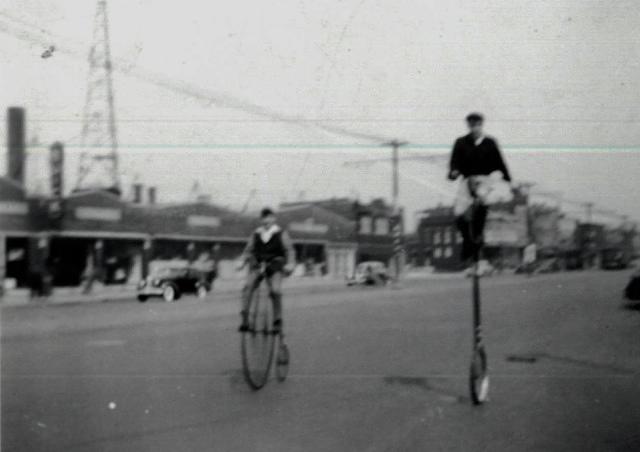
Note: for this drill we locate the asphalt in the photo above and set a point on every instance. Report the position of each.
(372, 370)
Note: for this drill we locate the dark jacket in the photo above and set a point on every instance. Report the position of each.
(481, 160)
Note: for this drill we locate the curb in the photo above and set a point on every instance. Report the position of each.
(74, 298)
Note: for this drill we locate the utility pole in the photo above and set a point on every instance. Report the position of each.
(397, 224)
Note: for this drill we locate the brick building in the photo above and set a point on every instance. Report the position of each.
(506, 234)
(371, 225)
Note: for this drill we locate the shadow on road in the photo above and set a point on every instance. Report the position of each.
(531, 358)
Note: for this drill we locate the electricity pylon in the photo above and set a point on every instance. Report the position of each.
(98, 167)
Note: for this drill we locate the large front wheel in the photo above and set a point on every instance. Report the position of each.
(479, 377)
(258, 342)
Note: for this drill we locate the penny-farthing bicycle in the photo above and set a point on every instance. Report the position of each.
(260, 340)
(478, 372)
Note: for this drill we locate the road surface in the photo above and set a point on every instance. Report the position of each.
(372, 370)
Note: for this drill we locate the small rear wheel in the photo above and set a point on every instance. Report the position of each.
(479, 377)
(282, 362)
(142, 298)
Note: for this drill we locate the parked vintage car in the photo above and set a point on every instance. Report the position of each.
(369, 273)
(171, 283)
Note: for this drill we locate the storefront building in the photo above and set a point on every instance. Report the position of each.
(439, 241)
(94, 237)
(371, 225)
(325, 242)
(16, 234)
(505, 235)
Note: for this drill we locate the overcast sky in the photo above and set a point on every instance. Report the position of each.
(557, 80)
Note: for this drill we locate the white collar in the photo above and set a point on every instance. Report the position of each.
(479, 140)
(266, 234)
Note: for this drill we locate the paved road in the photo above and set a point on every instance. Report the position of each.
(372, 370)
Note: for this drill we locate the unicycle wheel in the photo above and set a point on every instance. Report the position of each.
(479, 377)
(282, 362)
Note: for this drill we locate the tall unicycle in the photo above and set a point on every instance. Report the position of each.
(478, 372)
(258, 342)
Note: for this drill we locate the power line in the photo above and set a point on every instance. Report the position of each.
(361, 120)
(189, 90)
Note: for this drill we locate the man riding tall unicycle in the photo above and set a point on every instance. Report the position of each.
(477, 161)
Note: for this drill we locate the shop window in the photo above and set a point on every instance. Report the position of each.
(437, 253)
(448, 252)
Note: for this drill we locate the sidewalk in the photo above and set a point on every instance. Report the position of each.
(424, 274)
(221, 288)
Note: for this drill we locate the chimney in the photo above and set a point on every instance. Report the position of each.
(151, 195)
(137, 193)
(16, 144)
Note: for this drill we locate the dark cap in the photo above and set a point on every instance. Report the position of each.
(474, 117)
(266, 212)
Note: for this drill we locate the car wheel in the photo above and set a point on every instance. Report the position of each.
(169, 293)
(142, 298)
(202, 292)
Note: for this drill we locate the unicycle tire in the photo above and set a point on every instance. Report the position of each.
(258, 343)
(479, 377)
(282, 362)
